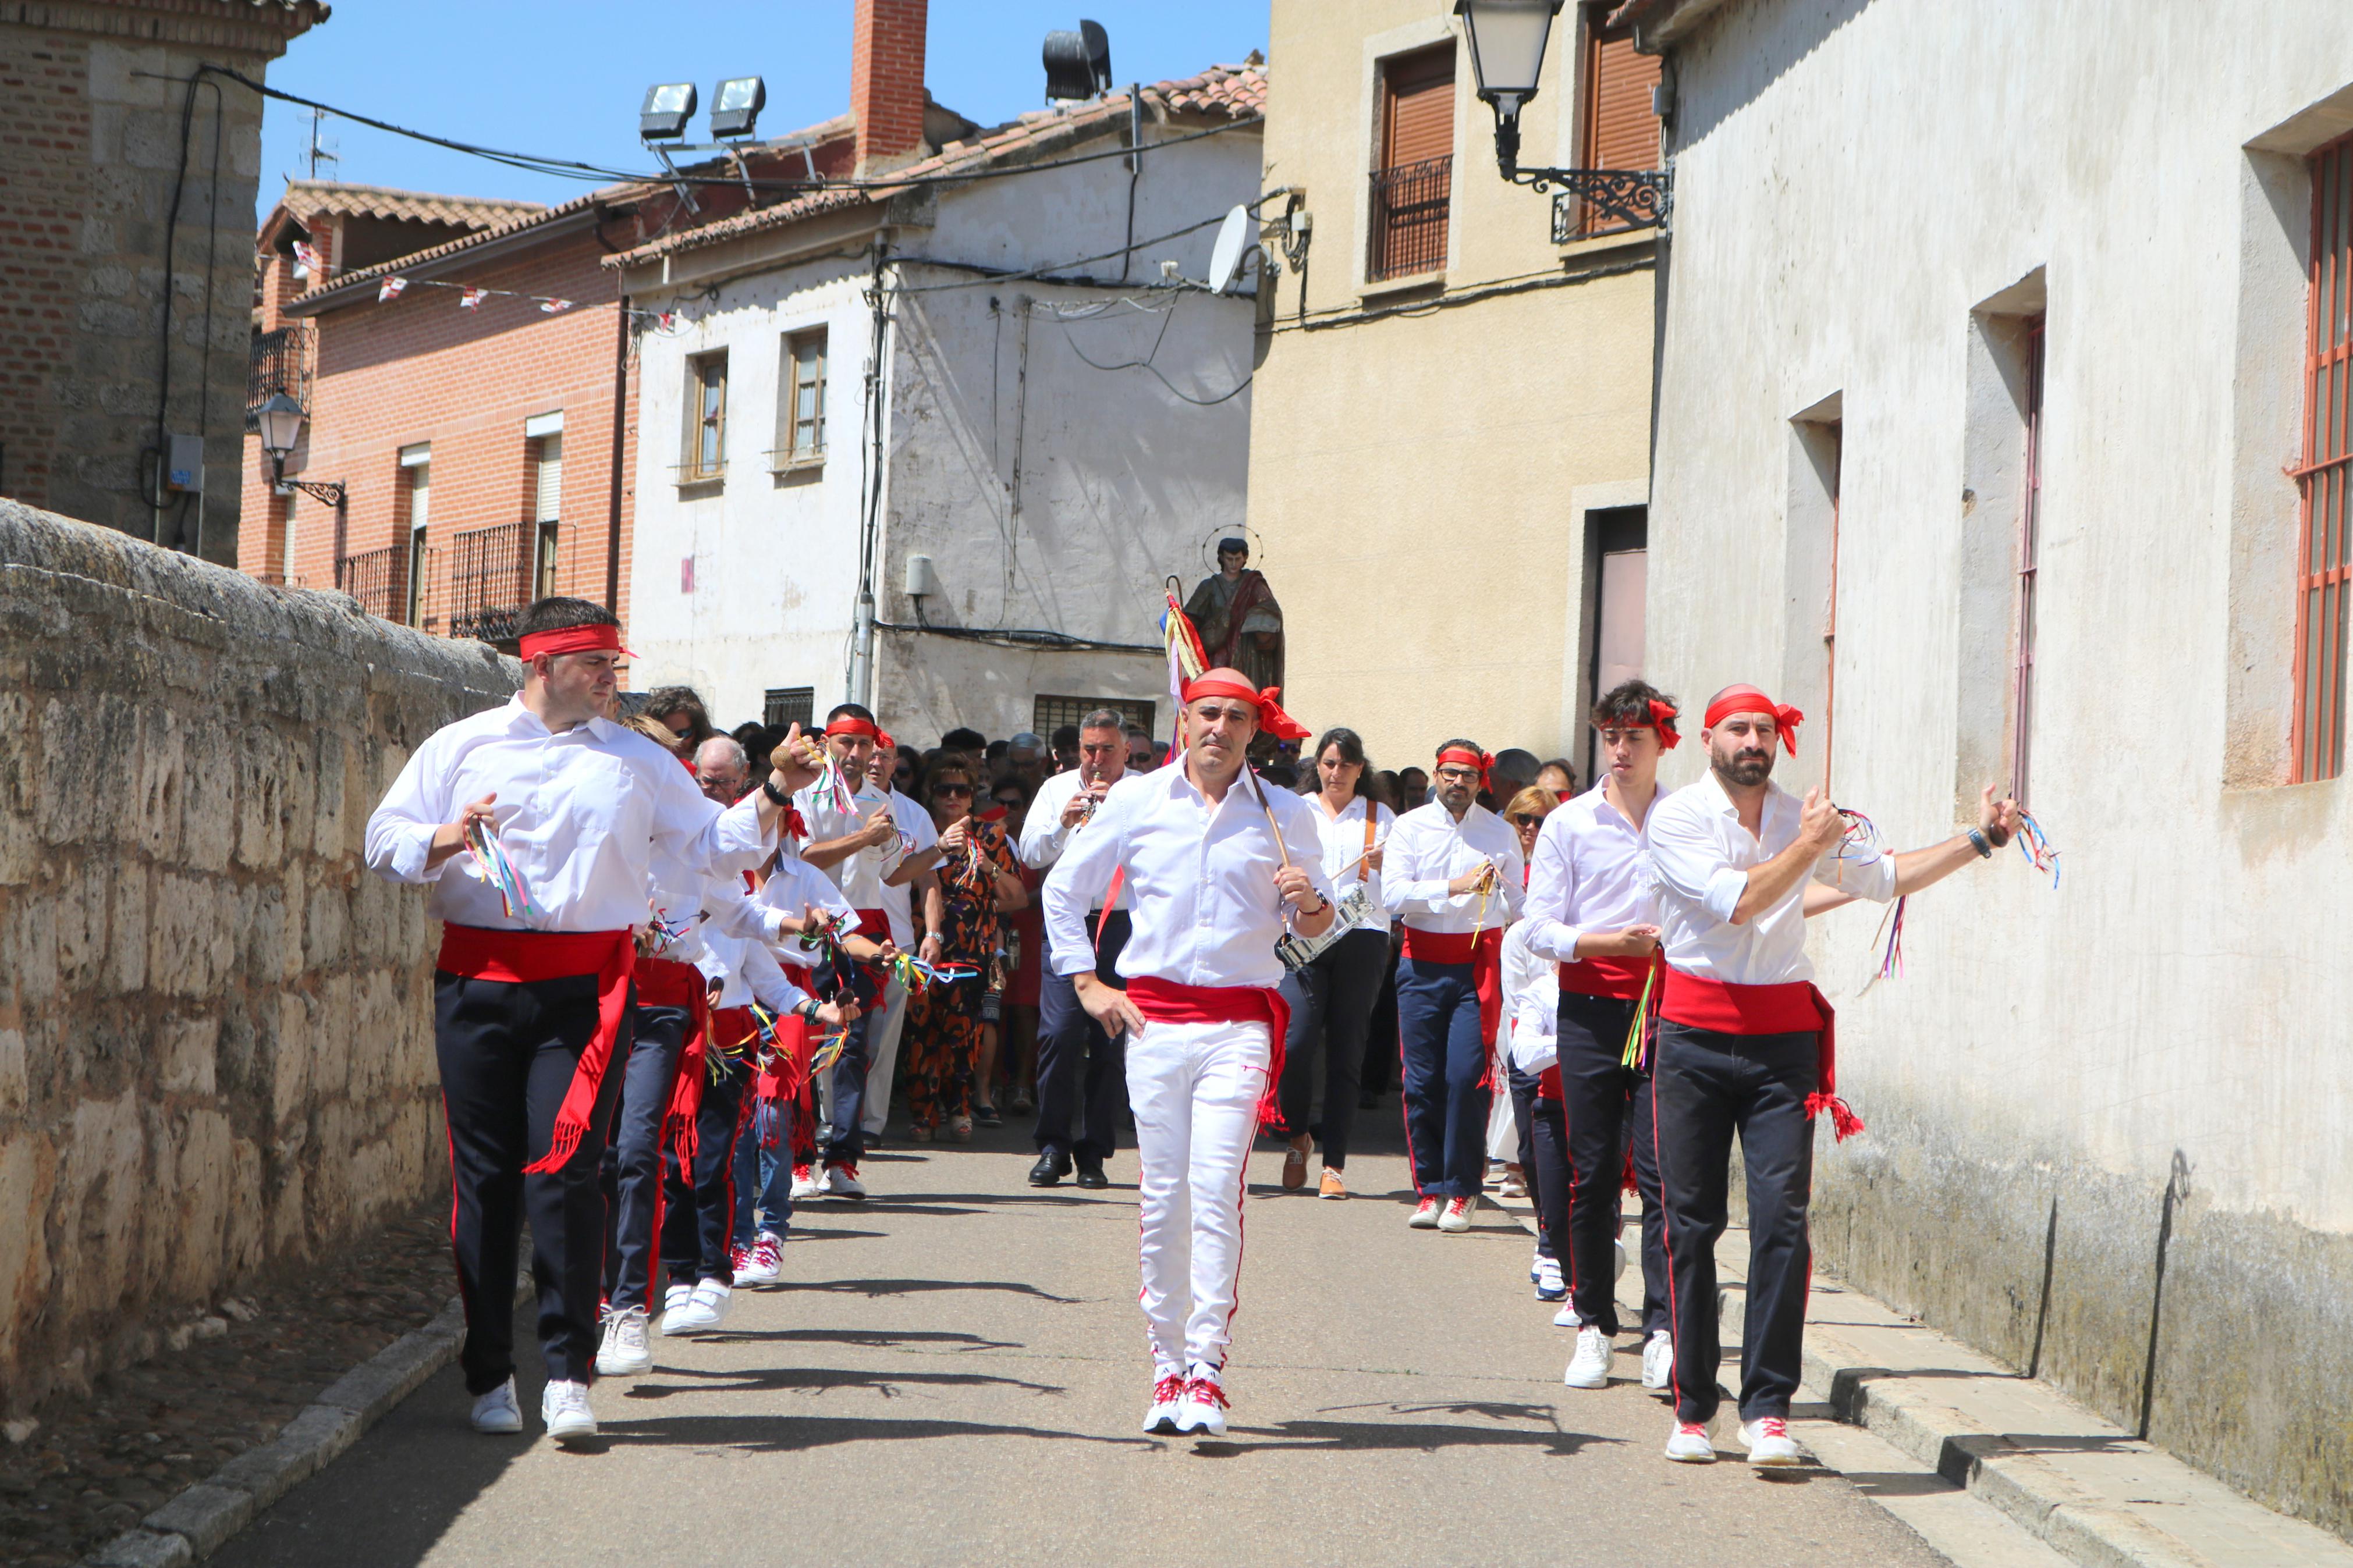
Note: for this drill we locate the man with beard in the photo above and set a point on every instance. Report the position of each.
(1209, 858)
(1079, 1065)
(1746, 1042)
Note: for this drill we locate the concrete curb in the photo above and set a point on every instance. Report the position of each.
(201, 1518)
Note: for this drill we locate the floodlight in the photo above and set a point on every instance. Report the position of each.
(736, 105)
(666, 111)
(1078, 65)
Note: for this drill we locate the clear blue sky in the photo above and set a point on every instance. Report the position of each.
(563, 77)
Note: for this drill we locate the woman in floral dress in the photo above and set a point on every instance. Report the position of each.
(980, 879)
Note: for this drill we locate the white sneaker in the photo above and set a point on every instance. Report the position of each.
(1546, 1276)
(842, 1182)
(764, 1263)
(805, 1182)
(1424, 1216)
(497, 1412)
(1203, 1408)
(1688, 1444)
(674, 1300)
(1768, 1443)
(565, 1408)
(1590, 1367)
(705, 1309)
(1456, 1218)
(1168, 1397)
(1567, 1317)
(1619, 1272)
(1659, 1360)
(623, 1353)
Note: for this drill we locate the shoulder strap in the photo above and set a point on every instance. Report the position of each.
(1372, 821)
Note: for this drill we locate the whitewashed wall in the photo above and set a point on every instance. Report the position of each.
(2152, 1058)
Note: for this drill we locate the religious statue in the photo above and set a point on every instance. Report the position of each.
(1240, 622)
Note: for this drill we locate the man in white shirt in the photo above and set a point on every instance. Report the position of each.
(1206, 850)
(919, 837)
(1746, 1042)
(1453, 874)
(1592, 910)
(532, 985)
(854, 839)
(1079, 1063)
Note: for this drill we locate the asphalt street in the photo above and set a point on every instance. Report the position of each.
(954, 1371)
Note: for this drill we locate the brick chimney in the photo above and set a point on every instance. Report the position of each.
(886, 83)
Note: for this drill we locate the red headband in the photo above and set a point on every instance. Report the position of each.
(1748, 699)
(573, 639)
(1233, 683)
(1662, 719)
(850, 724)
(882, 739)
(1483, 761)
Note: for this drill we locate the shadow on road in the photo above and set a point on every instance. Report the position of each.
(921, 1287)
(820, 1380)
(1426, 1437)
(872, 1339)
(794, 1434)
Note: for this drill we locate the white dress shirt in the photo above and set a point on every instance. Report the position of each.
(581, 813)
(1428, 849)
(859, 873)
(1043, 837)
(1700, 856)
(793, 887)
(1344, 847)
(1588, 876)
(1530, 999)
(917, 833)
(1205, 912)
(746, 972)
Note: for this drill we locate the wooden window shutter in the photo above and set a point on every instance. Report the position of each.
(1418, 106)
(1619, 130)
(549, 498)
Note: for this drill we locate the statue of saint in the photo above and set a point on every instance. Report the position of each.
(1240, 622)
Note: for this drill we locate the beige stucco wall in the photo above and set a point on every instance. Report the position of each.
(1419, 479)
(2108, 1124)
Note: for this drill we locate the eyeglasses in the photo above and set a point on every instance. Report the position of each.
(949, 789)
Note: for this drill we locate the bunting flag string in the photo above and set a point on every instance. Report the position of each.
(470, 296)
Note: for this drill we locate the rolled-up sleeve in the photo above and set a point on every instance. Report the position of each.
(1874, 878)
(1686, 860)
(400, 830)
(770, 985)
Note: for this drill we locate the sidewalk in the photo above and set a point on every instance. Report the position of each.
(1920, 1422)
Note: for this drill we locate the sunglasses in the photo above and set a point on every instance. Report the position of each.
(948, 789)
(1526, 821)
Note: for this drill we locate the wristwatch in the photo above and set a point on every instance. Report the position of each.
(1978, 842)
(805, 1009)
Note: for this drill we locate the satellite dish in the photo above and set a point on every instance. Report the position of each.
(1225, 255)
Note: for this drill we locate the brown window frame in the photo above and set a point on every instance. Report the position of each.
(692, 468)
(1593, 32)
(1408, 213)
(790, 452)
(2323, 559)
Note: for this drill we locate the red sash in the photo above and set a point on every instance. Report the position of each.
(1620, 978)
(520, 957)
(1484, 954)
(1167, 1002)
(1791, 1008)
(782, 1076)
(666, 982)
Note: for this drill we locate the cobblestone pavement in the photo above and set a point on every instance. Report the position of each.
(954, 1372)
(98, 1462)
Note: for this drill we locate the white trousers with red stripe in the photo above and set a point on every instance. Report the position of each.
(1194, 1090)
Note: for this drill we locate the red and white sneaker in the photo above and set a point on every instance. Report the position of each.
(1203, 1410)
(1768, 1443)
(805, 1184)
(842, 1182)
(1689, 1444)
(1167, 1398)
(763, 1262)
(1456, 1218)
(1424, 1216)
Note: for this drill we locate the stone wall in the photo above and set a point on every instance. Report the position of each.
(215, 1043)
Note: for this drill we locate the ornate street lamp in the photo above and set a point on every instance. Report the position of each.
(280, 422)
(1507, 50)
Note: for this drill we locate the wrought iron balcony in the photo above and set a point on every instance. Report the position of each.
(491, 579)
(280, 361)
(1408, 217)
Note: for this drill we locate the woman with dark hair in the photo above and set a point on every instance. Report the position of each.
(1332, 997)
(979, 880)
(680, 708)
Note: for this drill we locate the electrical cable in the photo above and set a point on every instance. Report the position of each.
(1042, 274)
(1145, 362)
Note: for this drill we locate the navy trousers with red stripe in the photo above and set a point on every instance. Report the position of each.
(699, 1215)
(1438, 1037)
(507, 1054)
(1603, 1116)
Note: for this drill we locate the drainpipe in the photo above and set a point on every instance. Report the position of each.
(861, 649)
(617, 478)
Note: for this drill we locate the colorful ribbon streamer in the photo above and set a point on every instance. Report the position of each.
(492, 865)
(2035, 846)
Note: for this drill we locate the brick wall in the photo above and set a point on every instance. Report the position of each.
(216, 1037)
(886, 81)
(417, 369)
(89, 149)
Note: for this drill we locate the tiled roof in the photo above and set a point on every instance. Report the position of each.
(314, 300)
(1231, 93)
(307, 199)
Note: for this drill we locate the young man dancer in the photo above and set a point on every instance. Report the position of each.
(1453, 874)
(1591, 910)
(1217, 864)
(1079, 1063)
(1746, 1042)
(532, 986)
